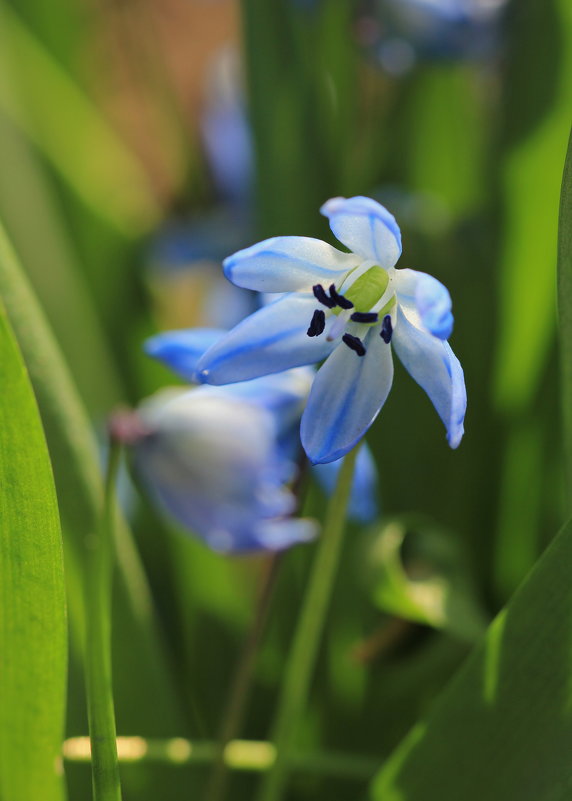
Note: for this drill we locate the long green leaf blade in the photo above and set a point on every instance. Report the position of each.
(565, 310)
(503, 728)
(531, 180)
(80, 493)
(33, 639)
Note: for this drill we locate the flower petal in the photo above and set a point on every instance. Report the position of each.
(287, 263)
(269, 341)
(434, 366)
(363, 505)
(275, 535)
(181, 350)
(428, 297)
(365, 227)
(347, 394)
(211, 462)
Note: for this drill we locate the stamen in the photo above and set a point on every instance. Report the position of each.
(321, 295)
(318, 323)
(364, 317)
(354, 343)
(340, 300)
(386, 329)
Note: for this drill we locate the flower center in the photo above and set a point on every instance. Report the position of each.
(359, 293)
(368, 289)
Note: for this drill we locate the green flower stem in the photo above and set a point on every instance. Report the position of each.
(255, 756)
(304, 650)
(565, 316)
(242, 683)
(101, 714)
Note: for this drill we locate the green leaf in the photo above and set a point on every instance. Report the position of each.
(36, 225)
(565, 309)
(33, 640)
(141, 667)
(420, 574)
(503, 727)
(531, 180)
(45, 102)
(447, 134)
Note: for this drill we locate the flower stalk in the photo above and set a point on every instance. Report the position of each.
(242, 683)
(101, 713)
(300, 665)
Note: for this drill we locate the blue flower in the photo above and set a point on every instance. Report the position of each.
(437, 29)
(284, 396)
(350, 309)
(226, 134)
(213, 461)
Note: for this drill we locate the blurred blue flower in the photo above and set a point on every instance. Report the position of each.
(212, 460)
(363, 505)
(185, 254)
(226, 133)
(284, 396)
(184, 273)
(346, 308)
(435, 29)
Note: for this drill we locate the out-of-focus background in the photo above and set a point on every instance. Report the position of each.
(141, 142)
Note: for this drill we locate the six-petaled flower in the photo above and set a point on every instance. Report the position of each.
(350, 309)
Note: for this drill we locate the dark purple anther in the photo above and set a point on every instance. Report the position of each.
(364, 317)
(339, 300)
(318, 324)
(321, 295)
(386, 329)
(354, 343)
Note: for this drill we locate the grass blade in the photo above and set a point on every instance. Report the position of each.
(505, 721)
(33, 638)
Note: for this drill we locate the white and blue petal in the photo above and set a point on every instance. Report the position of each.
(271, 340)
(211, 461)
(366, 228)
(181, 350)
(363, 505)
(424, 295)
(287, 264)
(282, 394)
(346, 396)
(276, 535)
(434, 366)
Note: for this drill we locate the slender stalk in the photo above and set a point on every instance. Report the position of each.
(304, 650)
(253, 756)
(101, 714)
(242, 683)
(565, 318)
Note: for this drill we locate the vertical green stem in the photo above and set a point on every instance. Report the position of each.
(242, 682)
(304, 650)
(565, 315)
(101, 714)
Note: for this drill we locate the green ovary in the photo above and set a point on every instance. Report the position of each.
(367, 290)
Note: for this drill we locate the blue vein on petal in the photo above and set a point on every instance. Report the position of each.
(333, 427)
(247, 347)
(372, 221)
(337, 454)
(231, 263)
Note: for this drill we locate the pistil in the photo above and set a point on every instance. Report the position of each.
(339, 324)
